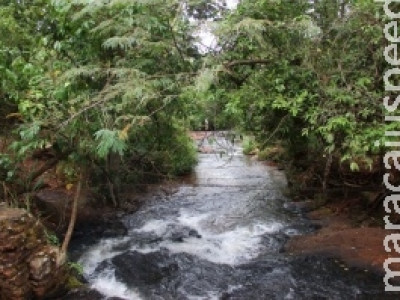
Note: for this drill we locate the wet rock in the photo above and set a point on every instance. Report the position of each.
(28, 265)
(53, 204)
(301, 206)
(83, 294)
(177, 238)
(360, 247)
(194, 233)
(90, 231)
(178, 233)
(114, 229)
(138, 269)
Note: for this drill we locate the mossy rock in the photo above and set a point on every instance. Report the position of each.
(73, 282)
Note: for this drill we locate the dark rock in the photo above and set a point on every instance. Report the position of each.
(93, 230)
(138, 269)
(83, 294)
(178, 234)
(194, 233)
(114, 229)
(177, 237)
(54, 205)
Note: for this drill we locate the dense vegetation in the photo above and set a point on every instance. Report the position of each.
(109, 89)
(98, 85)
(306, 77)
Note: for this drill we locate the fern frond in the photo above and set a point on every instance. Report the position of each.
(109, 141)
(89, 7)
(120, 42)
(84, 71)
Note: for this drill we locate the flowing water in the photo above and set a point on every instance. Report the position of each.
(219, 236)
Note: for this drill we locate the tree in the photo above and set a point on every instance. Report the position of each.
(107, 93)
(300, 73)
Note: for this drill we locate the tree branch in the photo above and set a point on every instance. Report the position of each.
(249, 62)
(47, 166)
(92, 105)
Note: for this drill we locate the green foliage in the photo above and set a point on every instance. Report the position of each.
(249, 146)
(52, 238)
(7, 168)
(109, 142)
(274, 153)
(304, 73)
(73, 282)
(99, 78)
(115, 84)
(76, 267)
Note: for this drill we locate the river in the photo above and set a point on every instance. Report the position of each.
(219, 235)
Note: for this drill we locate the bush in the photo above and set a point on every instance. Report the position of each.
(274, 153)
(249, 146)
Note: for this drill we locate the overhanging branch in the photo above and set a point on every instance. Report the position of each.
(248, 62)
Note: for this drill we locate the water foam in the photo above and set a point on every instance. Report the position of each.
(231, 246)
(103, 250)
(158, 227)
(234, 247)
(107, 284)
(210, 296)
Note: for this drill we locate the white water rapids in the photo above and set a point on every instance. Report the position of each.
(218, 236)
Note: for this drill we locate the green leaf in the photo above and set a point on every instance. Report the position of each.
(109, 142)
(354, 166)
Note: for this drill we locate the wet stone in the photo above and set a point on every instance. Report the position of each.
(179, 234)
(83, 294)
(138, 269)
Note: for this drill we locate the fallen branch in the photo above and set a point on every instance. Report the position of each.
(47, 166)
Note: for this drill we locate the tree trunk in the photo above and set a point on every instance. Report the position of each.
(327, 171)
(110, 182)
(343, 6)
(71, 225)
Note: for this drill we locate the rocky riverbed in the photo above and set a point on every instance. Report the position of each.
(221, 234)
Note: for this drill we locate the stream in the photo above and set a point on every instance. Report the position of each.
(219, 235)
